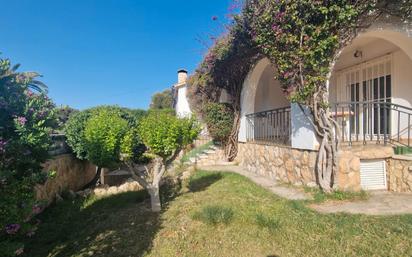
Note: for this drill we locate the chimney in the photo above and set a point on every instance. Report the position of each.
(181, 76)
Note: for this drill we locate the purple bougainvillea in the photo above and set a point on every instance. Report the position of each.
(21, 120)
(12, 229)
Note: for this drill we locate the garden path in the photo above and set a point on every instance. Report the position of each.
(378, 203)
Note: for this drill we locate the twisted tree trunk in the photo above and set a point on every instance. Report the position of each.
(231, 149)
(326, 130)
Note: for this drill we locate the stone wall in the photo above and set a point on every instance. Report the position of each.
(349, 163)
(297, 167)
(72, 174)
(217, 158)
(399, 174)
(279, 162)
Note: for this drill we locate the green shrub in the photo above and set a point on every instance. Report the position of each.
(27, 118)
(104, 133)
(162, 100)
(219, 120)
(76, 125)
(74, 131)
(164, 134)
(214, 215)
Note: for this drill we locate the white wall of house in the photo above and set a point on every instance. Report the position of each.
(374, 49)
(303, 135)
(387, 37)
(371, 48)
(260, 92)
(269, 94)
(182, 104)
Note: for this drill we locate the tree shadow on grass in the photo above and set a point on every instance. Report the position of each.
(119, 225)
(202, 182)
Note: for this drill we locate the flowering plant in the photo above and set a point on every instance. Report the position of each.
(302, 39)
(26, 121)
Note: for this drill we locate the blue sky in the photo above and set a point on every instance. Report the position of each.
(94, 52)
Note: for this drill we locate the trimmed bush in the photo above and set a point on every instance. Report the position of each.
(219, 120)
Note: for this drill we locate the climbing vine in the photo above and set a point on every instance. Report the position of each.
(303, 39)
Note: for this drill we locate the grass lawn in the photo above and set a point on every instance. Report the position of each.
(215, 214)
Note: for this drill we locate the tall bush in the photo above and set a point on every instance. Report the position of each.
(26, 120)
(219, 120)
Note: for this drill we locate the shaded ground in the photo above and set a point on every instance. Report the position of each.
(119, 225)
(216, 214)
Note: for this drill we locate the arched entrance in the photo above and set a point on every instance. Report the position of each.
(371, 86)
(265, 111)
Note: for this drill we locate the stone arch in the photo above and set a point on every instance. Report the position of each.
(385, 52)
(260, 92)
(389, 29)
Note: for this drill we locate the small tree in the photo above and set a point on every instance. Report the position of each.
(165, 136)
(75, 131)
(103, 134)
(162, 100)
(63, 114)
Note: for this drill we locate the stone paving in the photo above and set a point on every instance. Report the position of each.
(379, 202)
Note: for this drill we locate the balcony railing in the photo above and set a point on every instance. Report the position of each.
(380, 121)
(272, 126)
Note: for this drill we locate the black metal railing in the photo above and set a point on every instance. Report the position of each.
(272, 126)
(59, 145)
(379, 120)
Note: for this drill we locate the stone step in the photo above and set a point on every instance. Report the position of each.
(202, 156)
(225, 163)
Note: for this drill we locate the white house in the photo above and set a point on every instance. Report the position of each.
(181, 104)
(371, 99)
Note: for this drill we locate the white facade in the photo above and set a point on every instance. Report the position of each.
(376, 66)
(260, 92)
(303, 136)
(182, 106)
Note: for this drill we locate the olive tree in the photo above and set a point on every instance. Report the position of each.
(165, 136)
(162, 100)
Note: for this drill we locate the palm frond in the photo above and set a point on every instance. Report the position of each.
(38, 86)
(15, 67)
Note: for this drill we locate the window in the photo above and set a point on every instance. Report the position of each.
(365, 86)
